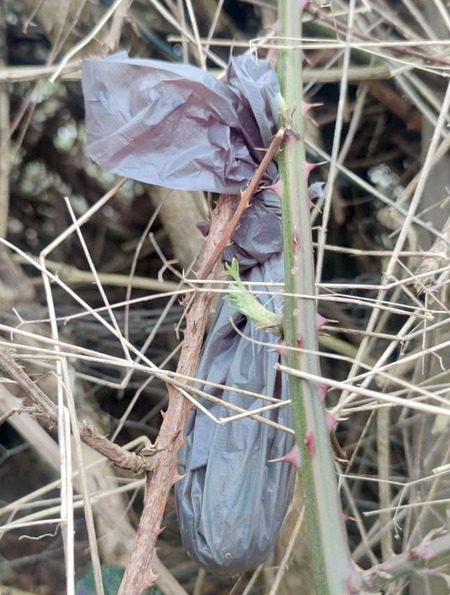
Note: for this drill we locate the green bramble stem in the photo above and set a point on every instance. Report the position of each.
(328, 542)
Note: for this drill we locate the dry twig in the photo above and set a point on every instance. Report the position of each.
(47, 411)
(139, 575)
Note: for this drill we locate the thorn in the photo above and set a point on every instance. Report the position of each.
(323, 389)
(280, 348)
(292, 457)
(307, 107)
(309, 167)
(159, 531)
(310, 443)
(178, 477)
(277, 188)
(150, 579)
(332, 421)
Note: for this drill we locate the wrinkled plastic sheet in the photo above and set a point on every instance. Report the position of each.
(177, 126)
(232, 502)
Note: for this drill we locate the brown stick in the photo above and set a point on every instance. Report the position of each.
(47, 411)
(138, 575)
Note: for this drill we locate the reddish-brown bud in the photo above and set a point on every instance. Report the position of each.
(310, 442)
(277, 188)
(320, 320)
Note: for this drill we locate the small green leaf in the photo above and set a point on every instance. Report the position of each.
(247, 304)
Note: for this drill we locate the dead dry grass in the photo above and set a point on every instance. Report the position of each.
(92, 313)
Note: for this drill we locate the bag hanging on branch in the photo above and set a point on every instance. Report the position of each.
(176, 126)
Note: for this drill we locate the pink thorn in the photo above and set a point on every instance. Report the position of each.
(323, 389)
(320, 320)
(177, 477)
(277, 188)
(303, 4)
(309, 167)
(331, 421)
(280, 348)
(310, 443)
(307, 107)
(292, 457)
(203, 228)
(276, 27)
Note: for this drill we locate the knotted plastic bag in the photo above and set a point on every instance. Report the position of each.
(232, 502)
(176, 126)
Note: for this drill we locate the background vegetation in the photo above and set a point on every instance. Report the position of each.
(379, 72)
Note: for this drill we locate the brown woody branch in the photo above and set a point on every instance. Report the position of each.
(138, 575)
(46, 410)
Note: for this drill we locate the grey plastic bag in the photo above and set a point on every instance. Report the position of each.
(177, 126)
(232, 502)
